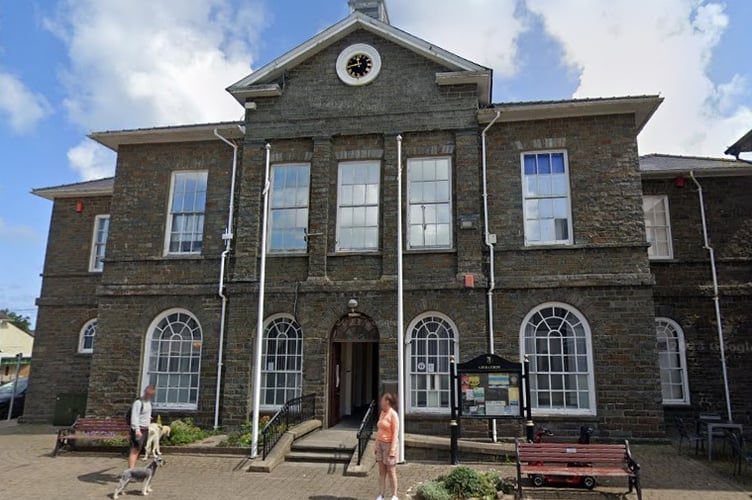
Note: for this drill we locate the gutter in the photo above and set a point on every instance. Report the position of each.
(490, 241)
(227, 237)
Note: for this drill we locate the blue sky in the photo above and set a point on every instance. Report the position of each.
(69, 67)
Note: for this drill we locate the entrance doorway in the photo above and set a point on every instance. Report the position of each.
(353, 369)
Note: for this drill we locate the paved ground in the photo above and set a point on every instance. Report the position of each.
(27, 471)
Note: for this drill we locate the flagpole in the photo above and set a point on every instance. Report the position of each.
(400, 311)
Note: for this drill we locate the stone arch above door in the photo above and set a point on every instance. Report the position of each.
(355, 327)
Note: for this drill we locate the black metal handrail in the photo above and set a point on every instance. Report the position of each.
(366, 428)
(292, 413)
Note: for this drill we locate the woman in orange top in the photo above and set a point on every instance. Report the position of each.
(386, 444)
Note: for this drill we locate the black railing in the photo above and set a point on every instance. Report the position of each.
(366, 428)
(295, 411)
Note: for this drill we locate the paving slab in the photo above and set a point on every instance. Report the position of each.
(28, 471)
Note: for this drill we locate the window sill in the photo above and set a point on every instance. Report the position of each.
(352, 253)
(666, 260)
(280, 255)
(172, 409)
(567, 416)
(183, 256)
(419, 251)
(677, 404)
(435, 413)
(84, 354)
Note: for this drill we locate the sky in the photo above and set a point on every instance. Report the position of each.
(70, 67)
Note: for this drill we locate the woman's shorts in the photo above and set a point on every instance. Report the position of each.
(382, 453)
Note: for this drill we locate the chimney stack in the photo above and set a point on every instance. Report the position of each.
(374, 8)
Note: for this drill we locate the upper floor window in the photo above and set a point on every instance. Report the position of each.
(429, 192)
(546, 198)
(99, 243)
(658, 227)
(556, 337)
(86, 337)
(358, 207)
(288, 212)
(432, 341)
(672, 361)
(185, 225)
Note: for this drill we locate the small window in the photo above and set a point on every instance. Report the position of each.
(658, 227)
(358, 207)
(99, 243)
(672, 361)
(185, 225)
(546, 198)
(429, 191)
(87, 336)
(557, 340)
(288, 211)
(282, 362)
(432, 341)
(173, 359)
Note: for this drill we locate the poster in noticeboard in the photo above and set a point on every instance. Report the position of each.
(487, 395)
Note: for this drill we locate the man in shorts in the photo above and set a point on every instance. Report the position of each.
(140, 420)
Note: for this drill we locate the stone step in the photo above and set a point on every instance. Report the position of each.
(322, 447)
(318, 457)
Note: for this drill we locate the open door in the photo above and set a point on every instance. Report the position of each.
(335, 383)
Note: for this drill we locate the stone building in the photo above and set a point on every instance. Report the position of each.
(173, 299)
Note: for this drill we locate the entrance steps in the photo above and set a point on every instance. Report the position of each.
(324, 446)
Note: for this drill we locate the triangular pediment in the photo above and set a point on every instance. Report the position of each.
(263, 82)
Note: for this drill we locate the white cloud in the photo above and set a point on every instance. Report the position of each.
(484, 31)
(140, 63)
(91, 161)
(23, 108)
(641, 47)
(17, 233)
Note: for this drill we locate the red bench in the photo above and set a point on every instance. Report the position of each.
(542, 460)
(91, 429)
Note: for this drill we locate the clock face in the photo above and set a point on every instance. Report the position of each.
(358, 64)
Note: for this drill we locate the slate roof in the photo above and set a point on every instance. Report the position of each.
(98, 187)
(743, 145)
(658, 165)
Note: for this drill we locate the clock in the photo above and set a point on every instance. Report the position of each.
(358, 64)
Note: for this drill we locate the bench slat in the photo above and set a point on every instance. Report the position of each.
(576, 471)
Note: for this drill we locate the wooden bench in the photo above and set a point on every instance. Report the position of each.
(91, 429)
(540, 461)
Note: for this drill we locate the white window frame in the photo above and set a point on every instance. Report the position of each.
(526, 197)
(450, 245)
(533, 373)
(409, 357)
(287, 373)
(89, 326)
(669, 240)
(96, 244)
(170, 213)
(670, 324)
(366, 206)
(146, 373)
(270, 229)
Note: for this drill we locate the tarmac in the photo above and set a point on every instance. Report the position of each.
(27, 471)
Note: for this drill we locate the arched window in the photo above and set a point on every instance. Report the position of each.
(86, 337)
(281, 361)
(557, 339)
(672, 361)
(173, 359)
(432, 339)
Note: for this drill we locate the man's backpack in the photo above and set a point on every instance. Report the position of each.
(129, 413)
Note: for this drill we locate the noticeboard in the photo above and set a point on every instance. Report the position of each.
(490, 387)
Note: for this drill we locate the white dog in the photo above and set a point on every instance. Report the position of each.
(156, 432)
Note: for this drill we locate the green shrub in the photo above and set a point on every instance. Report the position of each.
(242, 438)
(433, 490)
(464, 482)
(184, 431)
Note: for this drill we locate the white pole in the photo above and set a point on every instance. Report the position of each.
(15, 384)
(400, 311)
(260, 313)
(490, 241)
(716, 298)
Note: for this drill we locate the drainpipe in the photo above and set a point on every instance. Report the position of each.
(227, 237)
(400, 309)
(260, 313)
(716, 298)
(490, 240)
